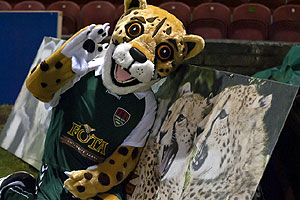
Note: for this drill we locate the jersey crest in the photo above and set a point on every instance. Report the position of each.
(121, 117)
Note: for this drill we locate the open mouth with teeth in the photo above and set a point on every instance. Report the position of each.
(169, 154)
(122, 77)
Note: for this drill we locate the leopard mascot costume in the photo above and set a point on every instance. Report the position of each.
(102, 103)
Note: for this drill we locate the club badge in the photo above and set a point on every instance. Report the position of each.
(121, 117)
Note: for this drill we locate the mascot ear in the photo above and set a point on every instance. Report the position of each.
(194, 45)
(129, 4)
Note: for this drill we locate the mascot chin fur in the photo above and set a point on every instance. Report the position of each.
(103, 106)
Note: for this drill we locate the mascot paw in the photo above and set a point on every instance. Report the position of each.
(84, 46)
(83, 184)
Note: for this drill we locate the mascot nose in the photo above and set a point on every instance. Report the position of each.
(137, 55)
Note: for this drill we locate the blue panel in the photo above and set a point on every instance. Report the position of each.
(21, 34)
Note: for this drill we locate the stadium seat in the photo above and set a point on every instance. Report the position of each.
(98, 12)
(272, 4)
(5, 5)
(250, 21)
(179, 9)
(29, 5)
(231, 3)
(210, 20)
(286, 24)
(194, 3)
(120, 11)
(293, 1)
(71, 13)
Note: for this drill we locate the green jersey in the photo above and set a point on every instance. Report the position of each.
(90, 122)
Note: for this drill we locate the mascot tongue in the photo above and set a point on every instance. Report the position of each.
(121, 74)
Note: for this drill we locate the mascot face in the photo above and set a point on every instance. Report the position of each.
(147, 44)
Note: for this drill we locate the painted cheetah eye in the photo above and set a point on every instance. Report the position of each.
(223, 114)
(164, 52)
(134, 29)
(180, 118)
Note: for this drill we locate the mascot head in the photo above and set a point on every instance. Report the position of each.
(147, 44)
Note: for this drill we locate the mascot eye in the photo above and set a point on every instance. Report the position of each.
(164, 52)
(134, 29)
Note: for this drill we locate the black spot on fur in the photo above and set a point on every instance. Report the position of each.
(141, 19)
(169, 30)
(80, 189)
(100, 49)
(135, 153)
(119, 176)
(58, 81)
(112, 162)
(159, 25)
(44, 85)
(100, 31)
(89, 46)
(150, 20)
(123, 151)
(44, 66)
(88, 176)
(58, 65)
(104, 179)
(125, 164)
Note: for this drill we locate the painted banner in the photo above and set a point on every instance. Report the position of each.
(213, 135)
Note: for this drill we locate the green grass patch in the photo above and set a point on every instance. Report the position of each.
(9, 163)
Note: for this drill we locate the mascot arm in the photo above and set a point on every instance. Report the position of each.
(84, 184)
(65, 63)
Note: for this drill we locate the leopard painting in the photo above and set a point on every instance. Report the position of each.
(207, 148)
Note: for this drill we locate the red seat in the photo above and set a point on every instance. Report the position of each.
(250, 21)
(231, 3)
(269, 3)
(179, 9)
(29, 5)
(194, 3)
(120, 11)
(98, 12)
(71, 12)
(286, 24)
(293, 1)
(210, 20)
(5, 5)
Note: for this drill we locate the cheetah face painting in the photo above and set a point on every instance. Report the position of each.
(230, 151)
(147, 44)
(176, 137)
(180, 127)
